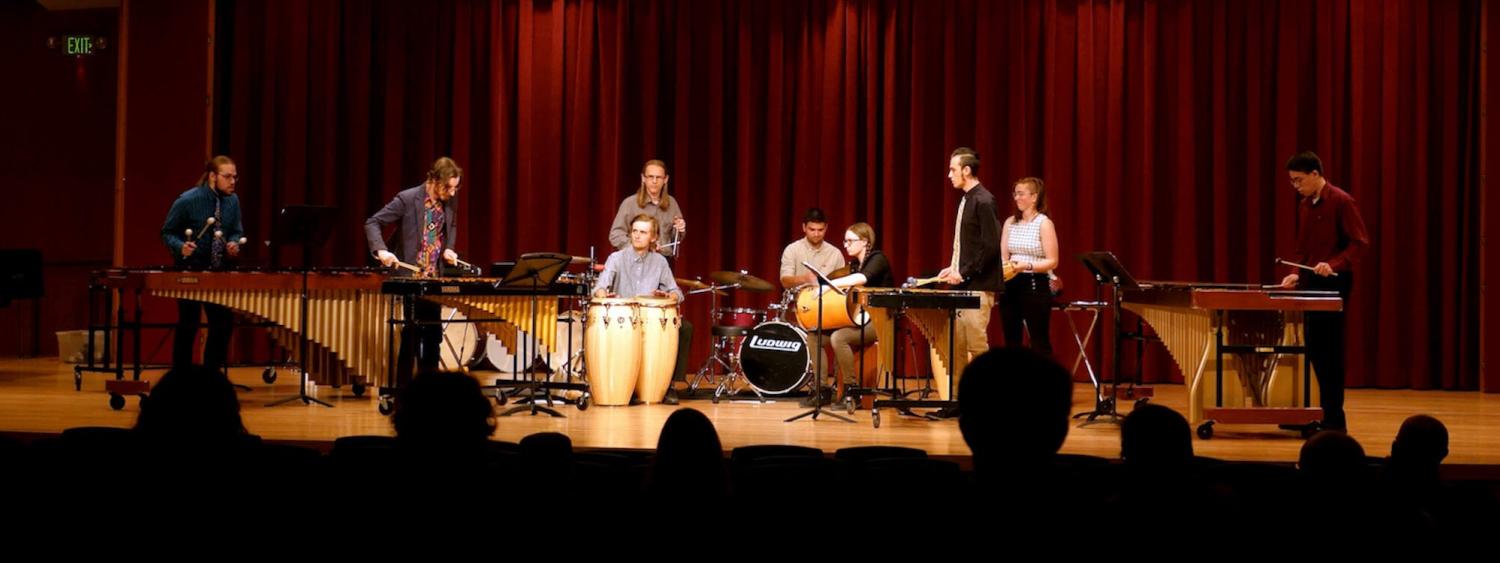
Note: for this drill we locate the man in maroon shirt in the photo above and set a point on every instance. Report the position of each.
(1331, 238)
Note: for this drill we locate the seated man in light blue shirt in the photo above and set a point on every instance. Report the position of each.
(639, 271)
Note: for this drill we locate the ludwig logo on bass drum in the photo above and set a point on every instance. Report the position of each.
(759, 343)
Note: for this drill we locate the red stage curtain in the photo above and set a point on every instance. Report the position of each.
(1161, 129)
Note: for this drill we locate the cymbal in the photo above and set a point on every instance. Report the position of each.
(694, 286)
(839, 273)
(745, 281)
(580, 260)
(685, 283)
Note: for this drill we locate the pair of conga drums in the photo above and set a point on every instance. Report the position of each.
(630, 345)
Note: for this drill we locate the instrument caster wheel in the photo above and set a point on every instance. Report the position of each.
(583, 401)
(1311, 429)
(1206, 430)
(358, 389)
(77, 379)
(386, 404)
(268, 376)
(875, 417)
(116, 401)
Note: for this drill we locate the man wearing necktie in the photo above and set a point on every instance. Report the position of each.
(209, 210)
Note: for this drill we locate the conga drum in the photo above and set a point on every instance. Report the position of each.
(612, 344)
(836, 309)
(659, 322)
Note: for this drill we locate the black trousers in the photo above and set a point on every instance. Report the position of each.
(1326, 345)
(684, 345)
(420, 340)
(220, 327)
(1026, 307)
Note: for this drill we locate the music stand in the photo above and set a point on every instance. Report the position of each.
(20, 275)
(817, 406)
(1107, 270)
(534, 272)
(310, 227)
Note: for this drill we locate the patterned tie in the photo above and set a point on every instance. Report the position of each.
(432, 240)
(216, 251)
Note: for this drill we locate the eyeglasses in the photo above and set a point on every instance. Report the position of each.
(849, 241)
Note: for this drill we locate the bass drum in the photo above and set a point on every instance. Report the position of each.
(463, 343)
(775, 357)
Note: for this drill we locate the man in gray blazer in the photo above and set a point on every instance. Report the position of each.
(429, 226)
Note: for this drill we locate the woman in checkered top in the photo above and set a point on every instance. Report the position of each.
(1028, 244)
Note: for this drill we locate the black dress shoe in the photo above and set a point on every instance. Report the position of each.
(671, 398)
(946, 413)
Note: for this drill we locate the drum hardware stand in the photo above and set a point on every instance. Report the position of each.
(817, 406)
(1095, 307)
(457, 351)
(722, 354)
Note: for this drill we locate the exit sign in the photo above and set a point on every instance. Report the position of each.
(78, 45)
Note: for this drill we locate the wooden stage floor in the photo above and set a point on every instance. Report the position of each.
(37, 398)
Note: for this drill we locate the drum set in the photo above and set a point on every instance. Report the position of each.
(627, 347)
(767, 350)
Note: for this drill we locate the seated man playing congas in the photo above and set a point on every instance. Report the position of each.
(639, 271)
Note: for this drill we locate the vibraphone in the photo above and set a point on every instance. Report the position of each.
(505, 312)
(934, 312)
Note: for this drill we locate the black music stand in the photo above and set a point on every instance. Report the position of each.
(534, 272)
(817, 406)
(21, 278)
(1107, 270)
(308, 226)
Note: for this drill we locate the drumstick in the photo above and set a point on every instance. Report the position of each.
(1303, 266)
(467, 266)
